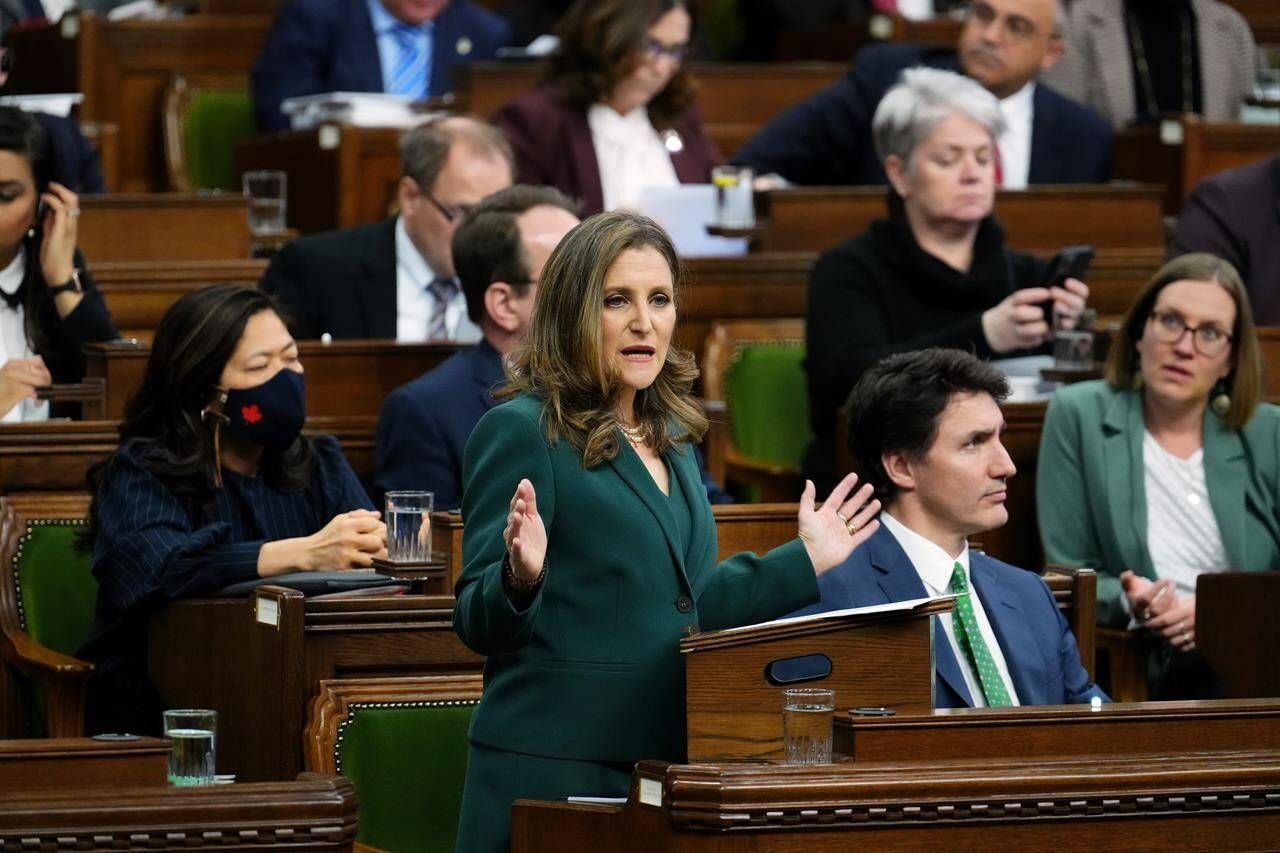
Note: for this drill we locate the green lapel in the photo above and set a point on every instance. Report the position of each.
(1126, 498)
(631, 469)
(1227, 478)
(686, 471)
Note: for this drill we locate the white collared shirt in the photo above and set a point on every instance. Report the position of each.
(13, 340)
(1018, 111)
(630, 153)
(415, 303)
(934, 566)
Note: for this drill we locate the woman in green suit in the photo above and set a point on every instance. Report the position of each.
(1169, 468)
(589, 545)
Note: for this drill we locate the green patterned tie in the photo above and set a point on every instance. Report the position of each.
(969, 638)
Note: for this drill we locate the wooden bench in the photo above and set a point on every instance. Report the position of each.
(139, 292)
(164, 227)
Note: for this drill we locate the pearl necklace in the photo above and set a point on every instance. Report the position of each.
(635, 435)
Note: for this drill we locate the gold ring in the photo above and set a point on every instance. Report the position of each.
(848, 525)
(1186, 637)
(74, 213)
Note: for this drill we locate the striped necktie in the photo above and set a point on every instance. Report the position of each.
(969, 638)
(411, 75)
(443, 289)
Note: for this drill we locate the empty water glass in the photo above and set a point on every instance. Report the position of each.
(408, 518)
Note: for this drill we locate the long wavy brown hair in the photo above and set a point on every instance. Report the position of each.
(562, 362)
(600, 44)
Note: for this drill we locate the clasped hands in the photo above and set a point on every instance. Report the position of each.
(1157, 606)
(829, 532)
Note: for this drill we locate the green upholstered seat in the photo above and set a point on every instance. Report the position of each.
(768, 402)
(216, 119)
(407, 761)
(56, 593)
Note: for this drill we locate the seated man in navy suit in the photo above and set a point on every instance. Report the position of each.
(498, 252)
(1048, 139)
(401, 47)
(924, 429)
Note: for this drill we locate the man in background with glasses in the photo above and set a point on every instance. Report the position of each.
(1004, 45)
(395, 279)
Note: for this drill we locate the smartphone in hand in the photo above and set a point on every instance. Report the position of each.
(1071, 262)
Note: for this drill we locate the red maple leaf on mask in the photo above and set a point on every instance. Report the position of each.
(250, 414)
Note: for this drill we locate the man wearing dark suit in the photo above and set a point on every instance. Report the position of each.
(499, 251)
(924, 429)
(395, 279)
(1236, 215)
(404, 47)
(1004, 44)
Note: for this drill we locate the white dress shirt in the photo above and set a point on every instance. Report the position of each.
(1182, 532)
(415, 303)
(630, 153)
(935, 566)
(13, 340)
(1018, 111)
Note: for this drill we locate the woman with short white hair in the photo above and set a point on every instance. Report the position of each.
(937, 271)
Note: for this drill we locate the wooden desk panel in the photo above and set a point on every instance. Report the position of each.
(1042, 218)
(339, 176)
(123, 67)
(139, 292)
(314, 813)
(164, 227)
(259, 662)
(344, 378)
(56, 764)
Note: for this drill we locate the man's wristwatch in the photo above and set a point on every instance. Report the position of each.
(72, 286)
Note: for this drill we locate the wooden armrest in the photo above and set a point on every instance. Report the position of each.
(747, 465)
(712, 408)
(35, 661)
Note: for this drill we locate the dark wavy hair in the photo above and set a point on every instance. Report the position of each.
(22, 135)
(896, 405)
(600, 42)
(192, 345)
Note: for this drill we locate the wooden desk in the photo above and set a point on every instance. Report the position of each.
(139, 292)
(314, 813)
(165, 227)
(1180, 800)
(123, 67)
(339, 176)
(259, 661)
(344, 378)
(1043, 218)
(56, 764)
(1145, 154)
(736, 99)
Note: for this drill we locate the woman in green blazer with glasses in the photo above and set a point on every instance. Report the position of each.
(1170, 467)
(589, 545)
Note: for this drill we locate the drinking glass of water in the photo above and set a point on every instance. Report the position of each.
(192, 733)
(735, 196)
(267, 191)
(807, 715)
(408, 518)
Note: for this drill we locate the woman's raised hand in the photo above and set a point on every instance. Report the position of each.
(842, 523)
(60, 229)
(19, 379)
(525, 535)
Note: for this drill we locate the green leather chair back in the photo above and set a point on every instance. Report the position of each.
(407, 761)
(768, 401)
(216, 120)
(57, 593)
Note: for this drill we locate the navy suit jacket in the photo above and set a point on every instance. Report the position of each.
(826, 139)
(1044, 662)
(318, 46)
(424, 426)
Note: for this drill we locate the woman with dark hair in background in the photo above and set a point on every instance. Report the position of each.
(614, 114)
(49, 304)
(213, 483)
(589, 543)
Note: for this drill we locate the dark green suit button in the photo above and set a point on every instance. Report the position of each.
(684, 604)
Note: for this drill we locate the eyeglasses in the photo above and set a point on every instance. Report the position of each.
(654, 49)
(450, 214)
(1015, 27)
(1208, 340)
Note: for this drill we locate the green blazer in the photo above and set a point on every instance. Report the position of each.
(591, 669)
(1091, 497)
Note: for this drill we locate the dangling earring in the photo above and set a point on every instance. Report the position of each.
(1221, 403)
(31, 233)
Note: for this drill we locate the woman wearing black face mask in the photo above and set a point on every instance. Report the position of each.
(213, 483)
